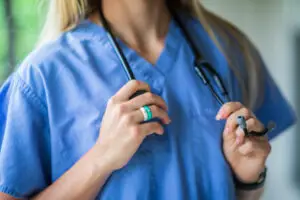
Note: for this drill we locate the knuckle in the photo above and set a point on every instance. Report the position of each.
(238, 104)
(135, 131)
(146, 86)
(154, 109)
(227, 107)
(134, 83)
(111, 101)
(231, 106)
(128, 118)
(251, 122)
(246, 112)
(147, 95)
(150, 96)
(121, 109)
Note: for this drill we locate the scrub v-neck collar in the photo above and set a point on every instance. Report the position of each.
(153, 74)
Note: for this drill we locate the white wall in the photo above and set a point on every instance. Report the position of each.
(272, 25)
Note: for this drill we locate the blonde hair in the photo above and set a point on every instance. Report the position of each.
(64, 15)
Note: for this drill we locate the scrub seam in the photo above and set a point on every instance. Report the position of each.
(10, 191)
(29, 93)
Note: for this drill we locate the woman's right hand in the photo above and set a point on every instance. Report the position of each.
(121, 131)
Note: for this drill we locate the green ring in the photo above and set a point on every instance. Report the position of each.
(148, 112)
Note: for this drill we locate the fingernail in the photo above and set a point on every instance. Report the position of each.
(238, 141)
(219, 115)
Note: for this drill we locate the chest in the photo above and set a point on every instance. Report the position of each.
(77, 100)
(78, 96)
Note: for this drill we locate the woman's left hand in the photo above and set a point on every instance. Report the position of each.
(246, 155)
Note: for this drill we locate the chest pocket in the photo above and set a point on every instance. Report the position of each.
(202, 109)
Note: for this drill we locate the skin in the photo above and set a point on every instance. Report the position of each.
(113, 150)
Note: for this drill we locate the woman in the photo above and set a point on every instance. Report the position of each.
(70, 128)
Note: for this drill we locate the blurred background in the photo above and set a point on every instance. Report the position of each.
(20, 22)
(273, 25)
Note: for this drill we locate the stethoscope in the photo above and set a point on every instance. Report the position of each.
(201, 67)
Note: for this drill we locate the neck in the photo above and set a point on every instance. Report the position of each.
(139, 23)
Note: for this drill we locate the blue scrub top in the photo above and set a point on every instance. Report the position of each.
(51, 110)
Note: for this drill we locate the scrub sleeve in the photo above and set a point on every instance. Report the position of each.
(24, 154)
(274, 107)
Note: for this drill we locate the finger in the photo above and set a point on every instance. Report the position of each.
(151, 128)
(137, 115)
(227, 109)
(255, 125)
(147, 98)
(240, 136)
(255, 147)
(252, 125)
(232, 123)
(129, 89)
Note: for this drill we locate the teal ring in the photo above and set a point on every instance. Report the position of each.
(148, 112)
